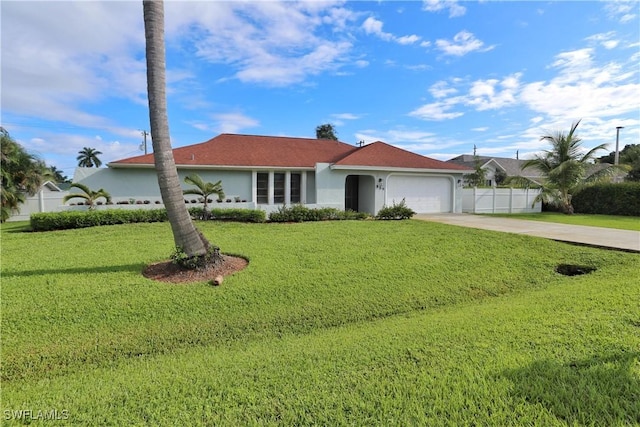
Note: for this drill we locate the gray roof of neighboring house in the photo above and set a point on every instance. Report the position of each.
(512, 167)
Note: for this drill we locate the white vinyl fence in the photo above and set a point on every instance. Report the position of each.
(500, 200)
(42, 201)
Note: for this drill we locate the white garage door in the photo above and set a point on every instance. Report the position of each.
(422, 194)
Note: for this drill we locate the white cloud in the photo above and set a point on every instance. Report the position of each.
(59, 56)
(580, 89)
(408, 39)
(605, 39)
(270, 43)
(487, 95)
(442, 89)
(454, 8)
(373, 26)
(480, 129)
(583, 89)
(623, 11)
(233, 122)
(346, 116)
(437, 111)
(463, 43)
(340, 118)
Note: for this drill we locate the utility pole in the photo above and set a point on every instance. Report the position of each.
(143, 146)
(617, 156)
(474, 150)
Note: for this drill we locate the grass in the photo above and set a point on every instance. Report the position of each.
(606, 221)
(332, 323)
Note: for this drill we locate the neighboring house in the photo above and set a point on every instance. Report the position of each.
(47, 199)
(266, 172)
(511, 167)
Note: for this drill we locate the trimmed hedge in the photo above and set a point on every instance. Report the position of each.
(231, 214)
(48, 221)
(609, 199)
(300, 213)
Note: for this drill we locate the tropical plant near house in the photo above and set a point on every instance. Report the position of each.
(89, 196)
(22, 175)
(564, 168)
(203, 189)
(88, 158)
(185, 235)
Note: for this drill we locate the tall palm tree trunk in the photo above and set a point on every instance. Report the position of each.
(185, 235)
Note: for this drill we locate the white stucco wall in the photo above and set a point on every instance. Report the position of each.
(142, 184)
(324, 188)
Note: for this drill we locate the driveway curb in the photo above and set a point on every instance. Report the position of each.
(625, 240)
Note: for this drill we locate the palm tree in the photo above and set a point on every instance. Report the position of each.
(203, 189)
(88, 158)
(564, 168)
(89, 195)
(21, 173)
(186, 237)
(58, 175)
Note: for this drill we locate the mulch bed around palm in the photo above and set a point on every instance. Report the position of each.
(169, 272)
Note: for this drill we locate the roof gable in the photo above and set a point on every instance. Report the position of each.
(512, 167)
(381, 154)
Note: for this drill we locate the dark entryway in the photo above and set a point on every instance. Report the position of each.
(351, 186)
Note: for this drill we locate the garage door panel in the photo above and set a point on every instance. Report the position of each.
(422, 194)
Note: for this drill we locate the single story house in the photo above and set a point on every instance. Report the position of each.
(513, 167)
(491, 165)
(266, 172)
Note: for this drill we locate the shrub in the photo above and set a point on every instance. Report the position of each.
(609, 199)
(184, 261)
(49, 221)
(300, 213)
(239, 215)
(396, 211)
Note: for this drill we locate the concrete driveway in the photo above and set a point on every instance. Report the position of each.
(593, 236)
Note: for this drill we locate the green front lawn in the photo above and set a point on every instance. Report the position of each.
(332, 323)
(607, 221)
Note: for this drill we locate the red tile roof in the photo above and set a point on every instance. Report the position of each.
(385, 155)
(230, 150)
(250, 150)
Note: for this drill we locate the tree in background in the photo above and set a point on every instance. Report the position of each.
(203, 189)
(628, 154)
(22, 175)
(192, 248)
(326, 131)
(632, 158)
(89, 196)
(564, 168)
(58, 175)
(479, 176)
(88, 158)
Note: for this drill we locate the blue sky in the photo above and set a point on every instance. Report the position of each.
(434, 77)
